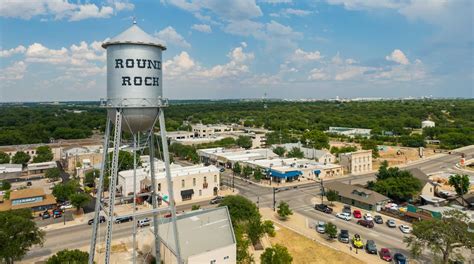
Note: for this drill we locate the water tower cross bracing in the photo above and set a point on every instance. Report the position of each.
(134, 105)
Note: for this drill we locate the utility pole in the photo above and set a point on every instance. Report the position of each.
(274, 201)
(233, 186)
(258, 202)
(322, 191)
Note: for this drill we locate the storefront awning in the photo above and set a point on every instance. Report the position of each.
(188, 192)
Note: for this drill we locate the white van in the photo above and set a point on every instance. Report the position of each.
(144, 222)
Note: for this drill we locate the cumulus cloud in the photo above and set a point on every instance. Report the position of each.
(15, 71)
(169, 36)
(397, 56)
(276, 1)
(12, 51)
(59, 9)
(202, 28)
(287, 12)
(301, 55)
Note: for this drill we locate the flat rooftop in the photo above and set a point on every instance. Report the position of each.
(176, 170)
(293, 163)
(199, 231)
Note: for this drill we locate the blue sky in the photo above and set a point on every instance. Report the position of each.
(50, 49)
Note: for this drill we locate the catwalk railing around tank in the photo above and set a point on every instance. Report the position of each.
(133, 102)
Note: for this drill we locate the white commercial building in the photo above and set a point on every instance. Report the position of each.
(40, 167)
(204, 131)
(10, 171)
(205, 236)
(350, 132)
(356, 162)
(427, 123)
(320, 155)
(228, 157)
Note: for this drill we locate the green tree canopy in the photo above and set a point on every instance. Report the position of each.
(331, 230)
(247, 171)
(332, 195)
(90, 176)
(43, 154)
(21, 157)
(18, 233)
(369, 144)
(244, 142)
(237, 169)
(5, 185)
(280, 151)
(258, 175)
(460, 183)
(79, 200)
(63, 191)
(284, 210)
(125, 161)
(74, 256)
(442, 237)
(240, 208)
(4, 158)
(295, 153)
(277, 254)
(316, 139)
(53, 174)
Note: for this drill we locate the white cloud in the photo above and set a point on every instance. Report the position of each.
(12, 51)
(295, 12)
(179, 65)
(202, 28)
(301, 55)
(318, 75)
(14, 72)
(59, 9)
(397, 56)
(169, 36)
(244, 28)
(39, 53)
(276, 1)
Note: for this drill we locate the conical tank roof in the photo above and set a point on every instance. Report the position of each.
(134, 35)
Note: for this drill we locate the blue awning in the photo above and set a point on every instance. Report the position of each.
(286, 174)
(317, 172)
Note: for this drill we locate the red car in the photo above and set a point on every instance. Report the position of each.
(365, 223)
(385, 254)
(357, 214)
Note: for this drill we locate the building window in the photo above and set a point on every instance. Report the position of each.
(213, 261)
(182, 183)
(215, 178)
(226, 257)
(159, 187)
(194, 181)
(200, 192)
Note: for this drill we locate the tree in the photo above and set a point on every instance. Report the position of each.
(255, 229)
(69, 256)
(284, 210)
(43, 154)
(332, 195)
(247, 171)
(5, 185)
(240, 208)
(195, 207)
(269, 228)
(63, 191)
(460, 184)
(277, 254)
(4, 158)
(280, 151)
(236, 169)
(441, 236)
(369, 144)
(21, 157)
(243, 243)
(258, 175)
(18, 233)
(125, 160)
(79, 200)
(53, 174)
(316, 139)
(295, 153)
(331, 230)
(90, 176)
(244, 142)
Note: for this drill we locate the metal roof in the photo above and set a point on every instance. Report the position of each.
(134, 35)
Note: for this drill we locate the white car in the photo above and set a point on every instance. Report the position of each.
(345, 216)
(405, 229)
(66, 206)
(368, 217)
(321, 227)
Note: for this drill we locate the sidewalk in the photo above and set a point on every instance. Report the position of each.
(299, 224)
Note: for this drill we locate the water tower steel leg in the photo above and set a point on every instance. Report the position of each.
(134, 234)
(166, 158)
(99, 192)
(113, 182)
(154, 196)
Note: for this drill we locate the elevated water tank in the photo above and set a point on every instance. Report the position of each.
(134, 78)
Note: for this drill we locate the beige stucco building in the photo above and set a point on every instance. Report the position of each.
(356, 162)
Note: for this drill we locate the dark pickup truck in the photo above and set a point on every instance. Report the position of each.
(323, 208)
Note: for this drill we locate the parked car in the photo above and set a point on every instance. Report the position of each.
(123, 219)
(368, 217)
(321, 227)
(399, 258)
(323, 208)
(344, 236)
(357, 241)
(144, 222)
(378, 219)
(216, 200)
(101, 220)
(370, 247)
(405, 229)
(45, 215)
(57, 213)
(385, 254)
(391, 223)
(345, 216)
(357, 214)
(365, 223)
(347, 209)
(222, 169)
(66, 205)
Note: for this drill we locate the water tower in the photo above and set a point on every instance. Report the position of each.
(134, 105)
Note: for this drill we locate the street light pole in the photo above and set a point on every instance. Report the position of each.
(322, 191)
(274, 201)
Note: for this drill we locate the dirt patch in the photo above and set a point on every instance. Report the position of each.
(305, 250)
(400, 155)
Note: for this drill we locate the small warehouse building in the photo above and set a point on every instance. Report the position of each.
(35, 199)
(357, 196)
(205, 236)
(41, 167)
(10, 171)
